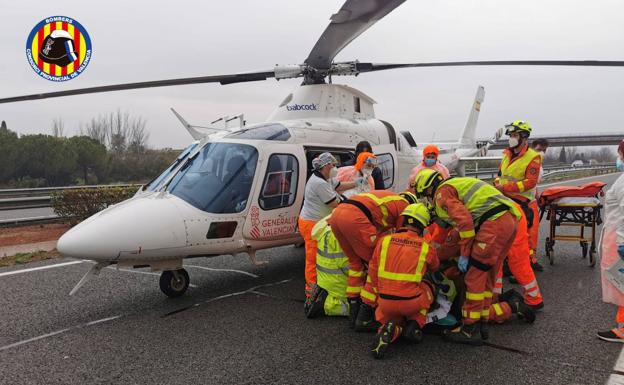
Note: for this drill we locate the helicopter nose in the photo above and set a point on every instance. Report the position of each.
(135, 226)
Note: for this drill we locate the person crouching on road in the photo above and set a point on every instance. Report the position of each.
(321, 196)
(612, 249)
(356, 223)
(430, 160)
(486, 221)
(397, 272)
(329, 297)
(361, 172)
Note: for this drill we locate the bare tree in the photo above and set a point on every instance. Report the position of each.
(58, 127)
(138, 136)
(118, 123)
(96, 129)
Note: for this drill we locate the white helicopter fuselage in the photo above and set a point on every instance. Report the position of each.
(191, 212)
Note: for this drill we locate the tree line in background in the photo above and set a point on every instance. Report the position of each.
(111, 148)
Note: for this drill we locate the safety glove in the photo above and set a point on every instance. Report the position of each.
(462, 263)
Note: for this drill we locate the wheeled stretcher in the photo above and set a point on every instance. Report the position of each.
(573, 206)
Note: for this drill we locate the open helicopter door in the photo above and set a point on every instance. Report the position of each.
(387, 161)
(278, 197)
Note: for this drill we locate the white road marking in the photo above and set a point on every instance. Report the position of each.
(13, 345)
(40, 268)
(229, 270)
(619, 364)
(615, 378)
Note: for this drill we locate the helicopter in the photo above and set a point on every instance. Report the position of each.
(240, 190)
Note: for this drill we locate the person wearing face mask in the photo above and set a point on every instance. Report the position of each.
(540, 145)
(612, 248)
(361, 173)
(518, 175)
(365, 146)
(431, 153)
(321, 196)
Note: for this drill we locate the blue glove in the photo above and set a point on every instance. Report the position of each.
(621, 251)
(361, 182)
(462, 264)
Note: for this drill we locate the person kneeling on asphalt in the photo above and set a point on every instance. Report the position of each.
(329, 297)
(486, 221)
(397, 272)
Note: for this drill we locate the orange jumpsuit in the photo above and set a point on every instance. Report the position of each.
(305, 228)
(520, 265)
(486, 249)
(356, 223)
(534, 231)
(522, 252)
(396, 269)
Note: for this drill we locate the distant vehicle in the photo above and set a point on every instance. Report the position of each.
(592, 162)
(577, 163)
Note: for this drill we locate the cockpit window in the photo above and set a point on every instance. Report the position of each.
(156, 182)
(271, 131)
(218, 178)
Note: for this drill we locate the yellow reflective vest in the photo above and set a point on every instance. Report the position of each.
(332, 267)
(516, 172)
(478, 197)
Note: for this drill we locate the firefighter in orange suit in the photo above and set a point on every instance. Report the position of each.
(486, 221)
(518, 176)
(356, 223)
(397, 272)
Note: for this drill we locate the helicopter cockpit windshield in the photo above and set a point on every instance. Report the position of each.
(218, 178)
(156, 182)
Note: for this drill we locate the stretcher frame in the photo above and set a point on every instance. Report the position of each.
(570, 215)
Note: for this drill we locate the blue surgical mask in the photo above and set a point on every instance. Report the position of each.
(430, 162)
(619, 165)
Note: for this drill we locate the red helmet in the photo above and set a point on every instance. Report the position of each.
(621, 147)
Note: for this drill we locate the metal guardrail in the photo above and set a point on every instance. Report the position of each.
(491, 173)
(19, 199)
(29, 192)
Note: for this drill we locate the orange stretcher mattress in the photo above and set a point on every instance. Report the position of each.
(552, 194)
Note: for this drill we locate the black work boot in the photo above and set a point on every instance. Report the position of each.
(485, 330)
(365, 321)
(412, 332)
(509, 294)
(517, 305)
(316, 302)
(383, 339)
(354, 308)
(465, 334)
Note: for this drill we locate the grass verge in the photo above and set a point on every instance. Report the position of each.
(23, 258)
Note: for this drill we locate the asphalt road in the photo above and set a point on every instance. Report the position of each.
(234, 328)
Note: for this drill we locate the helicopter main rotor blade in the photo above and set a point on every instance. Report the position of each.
(353, 18)
(370, 67)
(223, 79)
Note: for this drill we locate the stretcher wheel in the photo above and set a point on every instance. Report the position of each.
(592, 257)
(585, 249)
(550, 252)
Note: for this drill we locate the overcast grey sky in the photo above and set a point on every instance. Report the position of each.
(149, 40)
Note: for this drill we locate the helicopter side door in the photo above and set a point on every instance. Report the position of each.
(276, 203)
